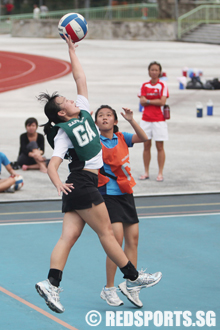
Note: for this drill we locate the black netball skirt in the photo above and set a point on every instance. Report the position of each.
(121, 208)
(85, 192)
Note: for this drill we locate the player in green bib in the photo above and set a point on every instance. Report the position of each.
(72, 134)
(83, 134)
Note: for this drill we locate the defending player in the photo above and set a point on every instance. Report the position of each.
(115, 185)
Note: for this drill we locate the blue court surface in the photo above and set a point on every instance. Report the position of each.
(179, 236)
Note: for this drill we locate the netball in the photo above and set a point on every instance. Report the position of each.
(73, 24)
(18, 182)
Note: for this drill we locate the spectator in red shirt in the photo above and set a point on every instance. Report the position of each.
(9, 7)
(153, 95)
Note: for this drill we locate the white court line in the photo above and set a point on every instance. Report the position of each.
(29, 223)
(33, 67)
(148, 217)
(61, 74)
(178, 216)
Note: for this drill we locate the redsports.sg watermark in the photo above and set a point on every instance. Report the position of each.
(148, 318)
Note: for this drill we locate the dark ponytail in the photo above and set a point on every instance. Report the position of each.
(116, 129)
(51, 110)
(47, 127)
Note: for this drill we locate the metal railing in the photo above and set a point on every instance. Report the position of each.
(133, 12)
(204, 14)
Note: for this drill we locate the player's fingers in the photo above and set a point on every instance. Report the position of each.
(64, 190)
(127, 109)
(69, 186)
(68, 38)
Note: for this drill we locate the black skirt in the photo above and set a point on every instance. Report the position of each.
(85, 192)
(121, 208)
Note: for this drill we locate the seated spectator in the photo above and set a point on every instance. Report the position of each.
(32, 148)
(9, 184)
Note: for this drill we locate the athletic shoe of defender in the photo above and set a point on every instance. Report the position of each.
(144, 280)
(132, 295)
(50, 293)
(111, 297)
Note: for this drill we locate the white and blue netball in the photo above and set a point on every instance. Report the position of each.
(73, 24)
(18, 182)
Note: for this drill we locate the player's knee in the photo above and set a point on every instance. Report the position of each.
(119, 239)
(132, 242)
(70, 240)
(105, 232)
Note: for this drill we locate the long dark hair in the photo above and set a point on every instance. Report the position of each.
(51, 110)
(116, 129)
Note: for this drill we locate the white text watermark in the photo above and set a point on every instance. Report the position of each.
(148, 318)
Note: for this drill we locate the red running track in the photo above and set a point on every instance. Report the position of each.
(19, 70)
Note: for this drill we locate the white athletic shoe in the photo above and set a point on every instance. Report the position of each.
(111, 297)
(132, 295)
(144, 280)
(11, 189)
(50, 293)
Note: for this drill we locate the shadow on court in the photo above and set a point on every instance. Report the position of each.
(179, 236)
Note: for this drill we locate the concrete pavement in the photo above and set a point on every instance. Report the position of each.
(115, 70)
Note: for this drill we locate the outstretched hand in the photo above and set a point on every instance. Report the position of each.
(70, 44)
(128, 114)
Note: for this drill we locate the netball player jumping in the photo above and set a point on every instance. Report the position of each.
(75, 136)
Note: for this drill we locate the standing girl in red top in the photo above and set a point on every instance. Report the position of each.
(153, 97)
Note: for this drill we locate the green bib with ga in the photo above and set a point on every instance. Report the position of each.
(83, 134)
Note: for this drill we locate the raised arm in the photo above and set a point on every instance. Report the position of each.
(77, 70)
(140, 135)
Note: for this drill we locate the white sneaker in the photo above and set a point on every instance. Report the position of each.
(111, 297)
(132, 295)
(11, 189)
(50, 294)
(144, 280)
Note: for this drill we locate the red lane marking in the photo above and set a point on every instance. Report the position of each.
(39, 310)
(19, 70)
(15, 62)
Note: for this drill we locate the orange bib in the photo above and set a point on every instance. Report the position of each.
(118, 159)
